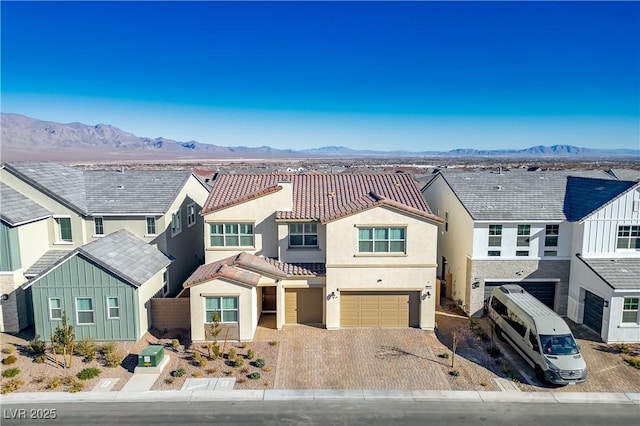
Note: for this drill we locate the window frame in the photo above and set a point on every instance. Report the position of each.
(117, 299)
(497, 236)
(494, 253)
(389, 240)
(165, 282)
(222, 310)
(176, 223)
(51, 318)
(551, 238)
(59, 229)
(523, 239)
(225, 235)
(446, 221)
(147, 225)
(78, 311)
(625, 310)
(304, 235)
(191, 214)
(633, 235)
(96, 226)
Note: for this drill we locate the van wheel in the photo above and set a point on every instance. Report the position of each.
(499, 332)
(539, 373)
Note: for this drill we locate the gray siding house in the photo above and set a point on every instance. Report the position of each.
(104, 288)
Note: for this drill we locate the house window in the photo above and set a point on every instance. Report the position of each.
(231, 234)
(191, 214)
(495, 235)
(151, 225)
(551, 235)
(225, 308)
(303, 235)
(381, 240)
(446, 221)
(176, 223)
(629, 237)
(165, 282)
(55, 308)
(630, 310)
(64, 229)
(113, 308)
(524, 235)
(84, 310)
(98, 226)
(494, 253)
(550, 252)
(522, 253)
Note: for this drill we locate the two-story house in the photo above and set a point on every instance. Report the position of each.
(342, 250)
(528, 228)
(161, 207)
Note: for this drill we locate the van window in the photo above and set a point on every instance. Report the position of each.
(517, 324)
(559, 344)
(534, 340)
(499, 307)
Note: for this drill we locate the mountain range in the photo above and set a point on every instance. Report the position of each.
(25, 138)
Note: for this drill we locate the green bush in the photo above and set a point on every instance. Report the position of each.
(112, 355)
(175, 344)
(109, 348)
(11, 372)
(9, 360)
(254, 376)
(11, 385)
(250, 354)
(633, 361)
(87, 349)
(178, 373)
(232, 354)
(444, 355)
(88, 373)
(454, 373)
(216, 352)
(259, 363)
(622, 348)
(75, 386)
(238, 362)
(54, 383)
(36, 346)
(273, 343)
(40, 358)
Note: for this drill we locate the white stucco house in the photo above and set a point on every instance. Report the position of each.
(340, 250)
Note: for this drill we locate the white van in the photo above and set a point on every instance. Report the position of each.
(538, 334)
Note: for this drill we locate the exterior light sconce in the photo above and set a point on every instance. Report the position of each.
(475, 283)
(332, 295)
(379, 280)
(5, 296)
(606, 303)
(427, 295)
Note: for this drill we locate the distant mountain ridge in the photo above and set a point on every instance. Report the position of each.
(25, 138)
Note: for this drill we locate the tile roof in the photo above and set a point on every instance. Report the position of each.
(45, 262)
(586, 195)
(515, 195)
(16, 209)
(619, 273)
(96, 192)
(322, 197)
(625, 174)
(248, 268)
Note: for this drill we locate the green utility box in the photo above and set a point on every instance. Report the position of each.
(151, 356)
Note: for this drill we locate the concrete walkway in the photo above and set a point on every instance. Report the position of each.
(140, 382)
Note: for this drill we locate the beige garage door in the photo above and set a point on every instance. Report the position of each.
(379, 309)
(303, 305)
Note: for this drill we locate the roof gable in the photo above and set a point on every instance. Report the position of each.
(584, 196)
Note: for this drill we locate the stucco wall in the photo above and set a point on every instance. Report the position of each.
(146, 292)
(301, 254)
(33, 241)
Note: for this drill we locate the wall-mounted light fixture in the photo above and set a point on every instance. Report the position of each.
(332, 295)
(606, 303)
(475, 283)
(5, 296)
(427, 295)
(379, 280)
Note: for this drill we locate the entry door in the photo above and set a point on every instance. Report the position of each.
(593, 307)
(303, 305)
(269, 299)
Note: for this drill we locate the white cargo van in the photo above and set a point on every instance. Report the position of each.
(538, 334)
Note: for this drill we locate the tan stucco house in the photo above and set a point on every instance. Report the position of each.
(340, 250)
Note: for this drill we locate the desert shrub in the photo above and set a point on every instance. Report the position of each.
(267, 369)
(74, 386)
(169, 380)
(211, 370)
(265, 384)
(11, 385)
(36, 346)
(178, 373)
(622, 348)
(633, 361)
(199, 359)
(232, 354)
(215, 352)
(54, 383)
(197, 374)
(238, 362)
(228, 373)
(443, 355)
(11, 372)
(9, 349)
(40, 359)
(9, 360)
(87, 349)
(484, 384)
(244, 370)
(112, 355)
(39, 379)
(175, 344)
(250, 354)
(108, 348)
(273, 343)
(254, 376)
(259, 363)
(241, 380)
(243, 345)
(454, 373)
(88, 373)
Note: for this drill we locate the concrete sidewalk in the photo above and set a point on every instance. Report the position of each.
(320, 394)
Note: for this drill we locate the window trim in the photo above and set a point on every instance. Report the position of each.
(303, 234)
(146, 221)
(116, 307)
(389, 240)
(95, 226)
(498, 236)
(239, 234)
(548, 235)
(191, 217)
(178, 229)
(78, 311)
(165, 282)
(525, 238)
(446, 221)
(222, 310)
(494, 253)
(51, 318)
(59, 239)
(636, 310)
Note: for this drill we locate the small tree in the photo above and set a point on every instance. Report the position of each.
(215, 328)
(64, 338)
(454, 346)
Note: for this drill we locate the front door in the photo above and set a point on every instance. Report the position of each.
(269, 299)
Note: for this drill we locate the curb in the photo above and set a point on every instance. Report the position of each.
(324, 394)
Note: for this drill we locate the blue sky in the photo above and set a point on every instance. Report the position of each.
(414, 75)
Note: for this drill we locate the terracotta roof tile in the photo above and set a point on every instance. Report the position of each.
(322, 197)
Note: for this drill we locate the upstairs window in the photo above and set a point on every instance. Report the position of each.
(551, 235)
(381, 240)
(629, 237)
(98, 226)
(231, 234)
(151, 225)
(303, 235)
(176, 223)
(523, 239)
(191, 214)
(495, 235)
(64, 229)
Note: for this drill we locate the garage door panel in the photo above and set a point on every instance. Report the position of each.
(375, 309)
(543, 291)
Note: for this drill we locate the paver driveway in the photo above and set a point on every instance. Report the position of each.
(315, 358)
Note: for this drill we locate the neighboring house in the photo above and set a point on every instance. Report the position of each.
(103, 287)
(531, 228)
(21, 220)
(342, 250)
(160, 206)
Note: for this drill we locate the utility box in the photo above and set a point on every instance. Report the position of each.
(151, 356)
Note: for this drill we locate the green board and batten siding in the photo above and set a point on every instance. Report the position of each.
(9, 248)
(79, 277)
